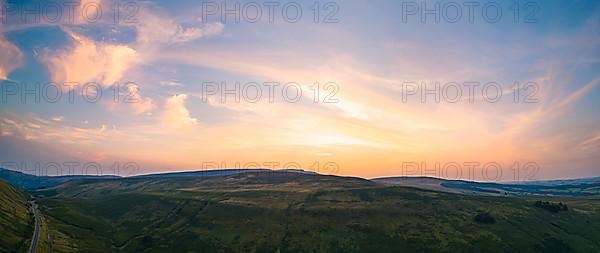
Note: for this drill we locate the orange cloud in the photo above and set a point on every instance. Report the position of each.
(10, 58)
(88, 61)
(140, 104)
(176, 115)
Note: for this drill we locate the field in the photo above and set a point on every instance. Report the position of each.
(285, 212)
(15, 219)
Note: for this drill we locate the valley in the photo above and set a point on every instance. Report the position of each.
(293, 212)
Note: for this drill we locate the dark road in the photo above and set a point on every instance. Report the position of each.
(36, 233)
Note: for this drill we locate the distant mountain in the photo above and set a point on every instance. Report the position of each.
(589, 180)
(572, 187)
(31, 182)
(216, 173)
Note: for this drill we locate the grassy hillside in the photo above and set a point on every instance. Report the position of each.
(15, 220)
(279, 181)
(274, 212)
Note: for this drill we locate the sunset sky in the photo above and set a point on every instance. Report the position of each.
(173, 51)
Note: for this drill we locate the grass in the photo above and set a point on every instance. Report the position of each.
(15, 219)
(44, 245)
(258, 213)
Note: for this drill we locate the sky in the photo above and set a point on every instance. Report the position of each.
(345, 88)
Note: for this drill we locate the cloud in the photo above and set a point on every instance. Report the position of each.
(176, 115)
(132, 100)
(11, 57)
(140, 104)
(69, 13)
(171, 83)
(88, 61)
(187, 34)
(53, 130)
(58, 118)
(577, 95)
(156, 29)
(88, 9)
(590, 142)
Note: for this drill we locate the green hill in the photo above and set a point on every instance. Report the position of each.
(278, 212)
(15, 220)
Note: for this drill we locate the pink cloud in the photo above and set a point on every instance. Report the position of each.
(176, 115)
(11, 57)
(88, 61)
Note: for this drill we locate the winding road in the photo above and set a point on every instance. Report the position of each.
(36, 234)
